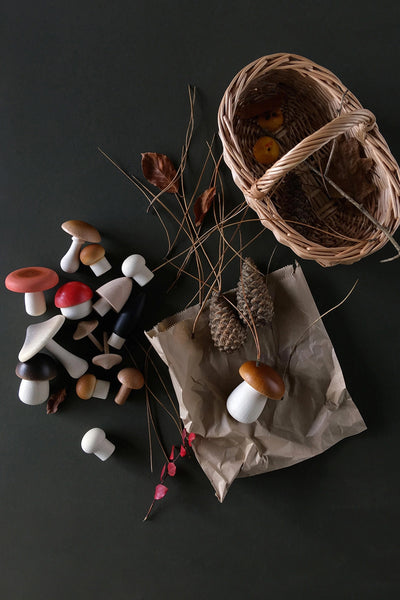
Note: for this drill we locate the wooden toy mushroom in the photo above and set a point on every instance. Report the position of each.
(93, 256)
(88, 386)
(74, 299)
(40, 335)
(84, 329)
(36, 374)
(248, 399)
(107, 360)
(113, 294)
(135, 266)
(130, 379)
(127, 320)
(95, 442)
(32, 281)
(81, 232)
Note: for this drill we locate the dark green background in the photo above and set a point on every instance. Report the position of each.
(78, 75)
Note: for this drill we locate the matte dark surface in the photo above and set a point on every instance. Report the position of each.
(80, 75)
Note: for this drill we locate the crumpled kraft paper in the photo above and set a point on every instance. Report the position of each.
(315, 412)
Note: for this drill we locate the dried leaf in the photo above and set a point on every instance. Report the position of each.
(55, 400)
(182, 451)
(350, 170)
(160, 171)
(171, 469)
(191, 437)
(203, 205)
(160, 491)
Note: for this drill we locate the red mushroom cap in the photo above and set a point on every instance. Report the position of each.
(72, 293)
(31, 279)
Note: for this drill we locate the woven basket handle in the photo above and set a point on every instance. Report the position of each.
(362, 118)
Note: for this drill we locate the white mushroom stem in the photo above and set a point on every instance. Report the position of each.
(78, 311)
(100, 267)
(33, 392)
(101, 389)
(74, 365)
(35, 303)
(101, 306)
(245, 404)
(70, 261)
(116, 341)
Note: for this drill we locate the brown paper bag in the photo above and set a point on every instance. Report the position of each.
(315, 413)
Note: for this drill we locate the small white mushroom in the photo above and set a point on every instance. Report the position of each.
(95, 442)
(135, 266)
(40, 335)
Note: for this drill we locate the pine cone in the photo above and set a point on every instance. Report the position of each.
(253, 299)
(227, 332)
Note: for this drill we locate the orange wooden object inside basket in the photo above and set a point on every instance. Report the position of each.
(271, 120)
(266, 150)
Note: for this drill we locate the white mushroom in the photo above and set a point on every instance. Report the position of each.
(135, 266)
(40, 335)
(95, 442)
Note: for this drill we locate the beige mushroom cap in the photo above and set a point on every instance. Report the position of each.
(131, 378)
(81, 230)
(263, 379)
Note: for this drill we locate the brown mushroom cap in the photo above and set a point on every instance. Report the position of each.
(263, 379)
(40, 367)
(92, 254)
(31, 279)
(85, 386)
(131, 378)
(81, 230)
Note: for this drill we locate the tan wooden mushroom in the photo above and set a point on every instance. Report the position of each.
(113, 294)
(81, 232)
(94, 257)
(130, 379)
(89, 386)
(84, 329)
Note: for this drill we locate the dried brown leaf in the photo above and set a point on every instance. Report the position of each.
(350, 170)
(55, 400)
(203, 205)
(160, 171)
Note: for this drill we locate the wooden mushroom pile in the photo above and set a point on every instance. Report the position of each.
(42, 360)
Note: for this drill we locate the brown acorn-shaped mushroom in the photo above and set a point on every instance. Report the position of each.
(130, 379)
(88, 386)
(93, 256)
(36, 374)
(260, 382)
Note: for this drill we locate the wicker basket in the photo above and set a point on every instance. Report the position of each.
(318, 108)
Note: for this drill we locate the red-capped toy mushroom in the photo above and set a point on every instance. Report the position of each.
(81, 232)
(260, 382)
(32, 281)
(74, 299)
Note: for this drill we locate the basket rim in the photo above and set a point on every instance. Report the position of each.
(372, 140)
